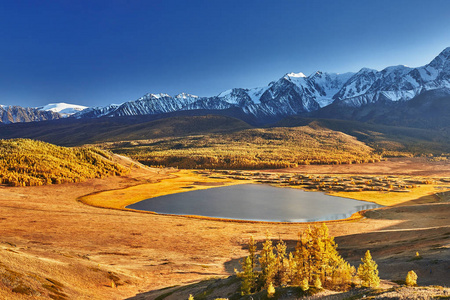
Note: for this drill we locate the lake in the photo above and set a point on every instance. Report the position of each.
(256, 202)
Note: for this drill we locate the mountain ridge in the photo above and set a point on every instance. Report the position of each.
(292, 94)
(296, 93)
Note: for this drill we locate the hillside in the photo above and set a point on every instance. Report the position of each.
(384, 139)
(25, 162)
(249, 149)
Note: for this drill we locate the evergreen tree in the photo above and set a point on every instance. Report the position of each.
(281, 276)
(249, 274)
(267, 263)
(248, 277)
(368, 271)
(252, 251)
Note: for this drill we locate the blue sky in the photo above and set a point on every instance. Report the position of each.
(95, 53)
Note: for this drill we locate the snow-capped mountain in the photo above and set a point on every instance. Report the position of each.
(65, 109)
(296, 93)
(292, 94)
(398, 83)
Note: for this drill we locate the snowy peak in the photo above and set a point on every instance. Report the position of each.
(294, 75)
(65, 109)
(154, 96)
(186, 96)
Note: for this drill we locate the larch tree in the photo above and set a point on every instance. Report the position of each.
(368, 271)
(267, 261)
(249, 275)
(281, 276)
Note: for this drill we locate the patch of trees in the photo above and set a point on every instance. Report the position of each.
(25, 162)
(314, 263)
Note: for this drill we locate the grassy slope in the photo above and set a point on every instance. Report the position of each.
(249, 149)
(29, 162)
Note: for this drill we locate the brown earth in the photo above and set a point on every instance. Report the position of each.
(52, 246)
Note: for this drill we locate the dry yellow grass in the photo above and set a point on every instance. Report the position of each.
(420, 195)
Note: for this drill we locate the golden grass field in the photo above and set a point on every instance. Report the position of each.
(52, 245)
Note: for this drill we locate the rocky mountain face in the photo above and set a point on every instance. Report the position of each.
(16, 114)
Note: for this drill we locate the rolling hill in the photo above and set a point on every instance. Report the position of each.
(25, 162)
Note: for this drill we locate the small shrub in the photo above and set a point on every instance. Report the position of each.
(411, 278)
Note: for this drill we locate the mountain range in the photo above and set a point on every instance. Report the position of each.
(320, 94)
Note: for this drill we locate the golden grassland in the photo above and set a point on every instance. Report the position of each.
(249, 149)
(25, 162)
(421, 194)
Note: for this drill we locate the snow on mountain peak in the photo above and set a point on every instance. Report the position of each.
(64, 109)
(185, 96)
(295, 75)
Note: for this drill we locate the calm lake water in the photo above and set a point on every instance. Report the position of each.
(256, 202)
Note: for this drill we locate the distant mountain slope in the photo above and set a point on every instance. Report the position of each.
(16, 114)
(73, 132)
(430, 109)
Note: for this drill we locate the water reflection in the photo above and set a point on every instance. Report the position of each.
(256, 202)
